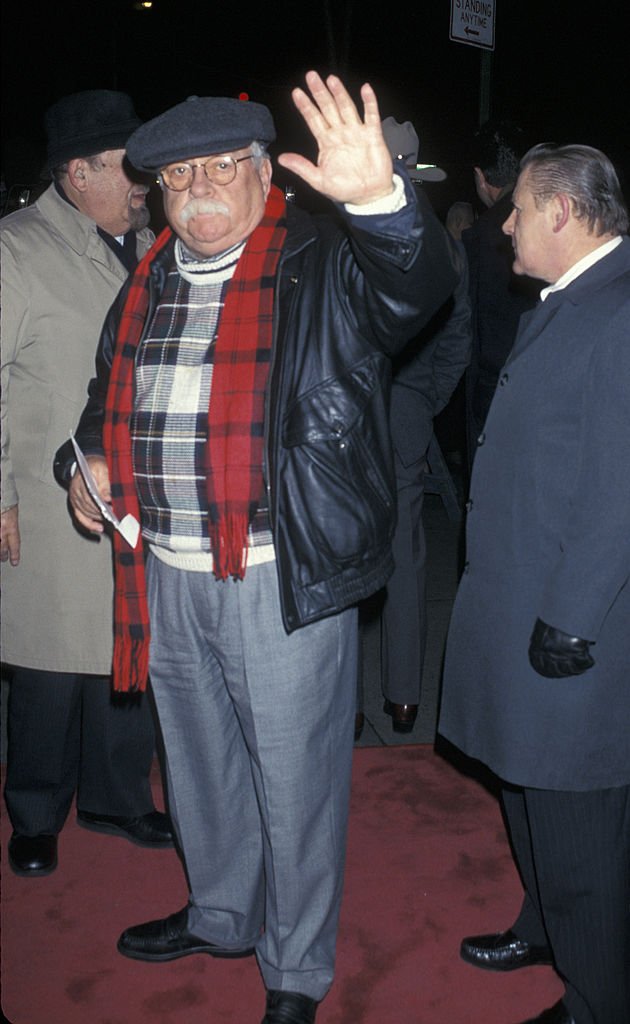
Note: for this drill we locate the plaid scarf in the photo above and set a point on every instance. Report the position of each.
(234, 452)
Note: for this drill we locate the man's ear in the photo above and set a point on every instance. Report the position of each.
(77, 173)
(561, 211)
(482, 188)
(265, 172)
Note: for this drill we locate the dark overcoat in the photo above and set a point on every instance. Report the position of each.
(548, 535)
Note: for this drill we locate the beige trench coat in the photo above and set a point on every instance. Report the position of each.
(59, 279)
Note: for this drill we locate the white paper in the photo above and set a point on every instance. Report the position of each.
(128, 527)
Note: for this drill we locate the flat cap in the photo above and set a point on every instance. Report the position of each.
(199, 126)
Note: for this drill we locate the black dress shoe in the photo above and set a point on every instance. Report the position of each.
(152, 829)
(359, 722)
(168, 939)
(502, 951)
(32, 856)
(556, 1014)
(289, 1008)
(403, 715)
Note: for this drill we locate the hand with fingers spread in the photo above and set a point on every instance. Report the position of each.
(353, 164)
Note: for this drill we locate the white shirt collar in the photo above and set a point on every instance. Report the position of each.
(578, 268)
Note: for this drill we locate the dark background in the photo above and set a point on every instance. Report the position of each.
(559, 69)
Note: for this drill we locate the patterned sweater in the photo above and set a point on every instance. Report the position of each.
(173, 388)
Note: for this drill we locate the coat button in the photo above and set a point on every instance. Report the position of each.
(481, 439)
(503, 379)
(468, 505)
(466, 568)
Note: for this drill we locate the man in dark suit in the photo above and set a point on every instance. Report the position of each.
(498, 296)
(536, 679)
(424, 376)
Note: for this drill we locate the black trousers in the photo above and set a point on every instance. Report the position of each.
(573, 853)
(404, 616)
(68, 733)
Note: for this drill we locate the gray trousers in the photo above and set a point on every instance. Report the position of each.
(258, 730)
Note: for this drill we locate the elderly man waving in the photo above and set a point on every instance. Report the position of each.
(240, 413)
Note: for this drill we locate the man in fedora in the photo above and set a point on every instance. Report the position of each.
(241, 404)
(64, 260)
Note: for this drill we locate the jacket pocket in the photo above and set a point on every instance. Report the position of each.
(337, 483)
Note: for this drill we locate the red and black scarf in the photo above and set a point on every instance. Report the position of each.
(234, 452)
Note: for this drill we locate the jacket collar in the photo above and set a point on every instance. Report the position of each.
(77, 230)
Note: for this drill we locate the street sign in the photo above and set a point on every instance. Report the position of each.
(472, 22)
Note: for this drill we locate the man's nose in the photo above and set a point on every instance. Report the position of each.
(201, 184)
(508, 225)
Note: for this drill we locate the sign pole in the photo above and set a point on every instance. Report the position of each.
(485, 87)
(472, 23)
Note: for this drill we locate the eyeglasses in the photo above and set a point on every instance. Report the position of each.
(220, 170)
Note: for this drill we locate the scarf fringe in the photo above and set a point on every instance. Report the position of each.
(130, 669)
(229, 542)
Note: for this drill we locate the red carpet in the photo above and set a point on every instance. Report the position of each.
(428, 862)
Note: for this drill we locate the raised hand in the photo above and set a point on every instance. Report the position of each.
(353, 164)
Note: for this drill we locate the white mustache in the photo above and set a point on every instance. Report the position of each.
(196, 206)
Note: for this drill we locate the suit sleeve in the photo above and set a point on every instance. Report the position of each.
(452, 350)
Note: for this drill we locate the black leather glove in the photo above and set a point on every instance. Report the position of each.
(555, 654)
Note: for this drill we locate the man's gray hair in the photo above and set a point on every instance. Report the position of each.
(260, 154)
(584, 174)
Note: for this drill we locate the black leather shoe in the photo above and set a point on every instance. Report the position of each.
(359, 722)
(502, 951)
(169, 939)
(152, 829)
(403, 715)
(32, 856)
(557, 1014)
(289, 1008)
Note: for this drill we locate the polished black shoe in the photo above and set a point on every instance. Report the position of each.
(289, 1008)
(502, 951)
(556, 1014)
(32, 856)
(152, 829)
(403, 715)
(359, 722)
(168, 939)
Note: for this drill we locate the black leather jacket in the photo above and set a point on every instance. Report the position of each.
(347, 298)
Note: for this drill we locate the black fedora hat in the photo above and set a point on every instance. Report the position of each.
(86, 123)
